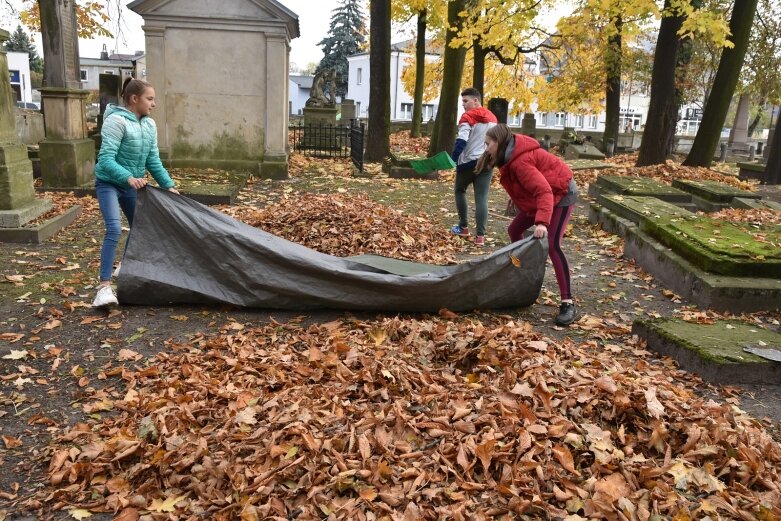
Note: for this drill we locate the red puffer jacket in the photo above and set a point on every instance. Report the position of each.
(535, 180)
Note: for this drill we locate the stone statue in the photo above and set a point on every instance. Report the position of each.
(317, 95)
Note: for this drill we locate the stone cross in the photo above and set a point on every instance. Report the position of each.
(60, 44)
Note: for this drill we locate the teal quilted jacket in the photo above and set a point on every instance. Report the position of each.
(129, 148)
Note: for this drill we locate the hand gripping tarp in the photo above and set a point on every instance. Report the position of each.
(182, 252)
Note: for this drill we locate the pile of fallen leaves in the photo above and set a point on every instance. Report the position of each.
(409, 419)
(345, 225)
(665, 173)
(61, 203)
(406, 145)
(759, 216)
(337, 167)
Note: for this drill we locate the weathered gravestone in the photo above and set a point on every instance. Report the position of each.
(110, 91)
(738, 135)
(18, 204)
(528, 124)
(67, 154)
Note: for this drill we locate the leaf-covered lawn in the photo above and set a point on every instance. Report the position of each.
(207, 413)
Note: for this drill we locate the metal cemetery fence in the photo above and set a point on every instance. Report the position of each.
(322, 140)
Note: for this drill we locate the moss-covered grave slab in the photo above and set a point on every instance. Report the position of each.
(713, 191)
(715, 246)
(640, 209)
(642, 186)
(707, 290)
(587, 164)
(751, 171)
(755, 204)
(211, 194)
(714, 351)
(210, 186)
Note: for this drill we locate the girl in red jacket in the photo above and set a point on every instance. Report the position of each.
(541, 186)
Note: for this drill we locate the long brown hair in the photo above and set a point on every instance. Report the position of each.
(502, 134)
(133, 87)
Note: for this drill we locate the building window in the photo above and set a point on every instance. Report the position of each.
(592, 121)
(84, 75)
(561, 119)
(358, 109)
(516, 119)
(579, 120)
(359, 76)
(428, 112)
(406, 111)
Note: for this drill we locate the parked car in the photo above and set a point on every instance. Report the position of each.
(28, 105)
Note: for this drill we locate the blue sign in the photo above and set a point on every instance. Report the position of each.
(15, 77)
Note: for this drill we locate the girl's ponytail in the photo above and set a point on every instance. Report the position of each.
(133, 87)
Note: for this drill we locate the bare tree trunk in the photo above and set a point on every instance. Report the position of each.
(707, 139)
(613, 87)
(662, 108)
(444, 134)
(420, 73)
(378, 131)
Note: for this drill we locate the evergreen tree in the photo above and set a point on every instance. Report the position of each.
(346, 36)
(20, 42)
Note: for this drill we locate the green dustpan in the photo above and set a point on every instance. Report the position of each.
(441, 161)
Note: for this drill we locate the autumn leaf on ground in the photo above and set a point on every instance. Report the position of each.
(655, 408)
(378, 335)
(16, 355)
(128, 355)
(168, 505)
(11, 337)
(80, 513)
(11, 442)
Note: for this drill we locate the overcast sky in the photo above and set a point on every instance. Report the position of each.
(314, 17)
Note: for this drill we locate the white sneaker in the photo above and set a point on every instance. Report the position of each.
(116, 271)
(105, 297)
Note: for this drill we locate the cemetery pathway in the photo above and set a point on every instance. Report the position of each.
(56, 351)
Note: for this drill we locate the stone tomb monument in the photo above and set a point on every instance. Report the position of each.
(220, 70)
(320, 112)
(67, 154)
(18, 204)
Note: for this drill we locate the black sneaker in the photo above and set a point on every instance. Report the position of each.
(567, 314)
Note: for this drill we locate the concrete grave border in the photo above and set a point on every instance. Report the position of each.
(45, 230)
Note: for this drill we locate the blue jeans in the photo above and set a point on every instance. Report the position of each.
(111, 198)
(481, 183)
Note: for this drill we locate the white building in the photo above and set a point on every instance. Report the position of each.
(401, 102)
(299, 87)
(119, 64)
(19, 67)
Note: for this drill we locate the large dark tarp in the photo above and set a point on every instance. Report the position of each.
(182, 252)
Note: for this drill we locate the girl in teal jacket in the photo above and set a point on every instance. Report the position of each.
(128, 149)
